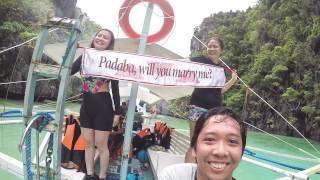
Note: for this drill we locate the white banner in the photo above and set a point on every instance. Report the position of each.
(150, 70)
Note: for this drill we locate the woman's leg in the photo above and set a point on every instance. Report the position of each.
(88, 135)
(101, 140)
(189, 158)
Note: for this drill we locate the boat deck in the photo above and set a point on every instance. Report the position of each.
(133, 167)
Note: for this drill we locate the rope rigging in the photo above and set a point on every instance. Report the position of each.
(45, 118)
(21, 44)
(168, 16)
(305, 152)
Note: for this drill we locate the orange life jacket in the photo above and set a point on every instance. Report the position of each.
(157, 126)
(118, 152)
(73, 144)
(144, 132)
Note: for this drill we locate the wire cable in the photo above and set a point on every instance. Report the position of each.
(18, 45)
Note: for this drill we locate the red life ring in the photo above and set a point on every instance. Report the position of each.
(166, 26)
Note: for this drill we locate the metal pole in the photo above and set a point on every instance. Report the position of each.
(30, 87)
(133, 97)
(64, 82)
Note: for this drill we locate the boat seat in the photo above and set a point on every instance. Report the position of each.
(160, 159)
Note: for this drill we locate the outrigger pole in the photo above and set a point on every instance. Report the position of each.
(133, 97)
(41, 122)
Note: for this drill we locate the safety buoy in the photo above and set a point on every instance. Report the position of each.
(166, 26)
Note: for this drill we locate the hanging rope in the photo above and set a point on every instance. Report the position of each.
(47, 117)
(166, 15)
(7, 91)
(21, 44)
(122, 15)
(28, 155)
(49, 154)
(67, 101)
(305, 152)
(17, 82)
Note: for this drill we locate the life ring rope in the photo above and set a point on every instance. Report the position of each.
(159, 15)
(167, 25)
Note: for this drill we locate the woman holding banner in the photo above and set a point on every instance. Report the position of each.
(97, 114)
(203, 99)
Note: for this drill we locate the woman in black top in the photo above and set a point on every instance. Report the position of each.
(203, 99)
(97, 114)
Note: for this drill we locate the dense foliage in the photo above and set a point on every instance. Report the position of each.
(275, 47)
(20, 20)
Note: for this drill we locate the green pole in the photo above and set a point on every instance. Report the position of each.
(30, 87)
(133, 97)
(64, 82)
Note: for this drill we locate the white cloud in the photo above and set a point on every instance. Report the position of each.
(188, 15)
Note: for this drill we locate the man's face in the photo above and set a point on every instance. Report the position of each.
(219, 148)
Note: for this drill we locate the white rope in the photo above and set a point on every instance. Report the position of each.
(169, 35)
(54, 103)
(122, 15)
(264, 101)
(125, 11)
(305, 152)
(18, 45)
(166, 15)
(285, 155)
(16, 82)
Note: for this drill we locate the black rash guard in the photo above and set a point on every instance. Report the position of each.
(96, 109)
(114, 84)
(206, 97)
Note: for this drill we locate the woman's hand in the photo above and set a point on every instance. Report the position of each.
(234, 76)
(116, 119)
(231, 82)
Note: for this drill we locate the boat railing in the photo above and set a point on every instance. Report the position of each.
(178, 148)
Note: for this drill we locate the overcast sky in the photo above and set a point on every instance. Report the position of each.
(188, 15)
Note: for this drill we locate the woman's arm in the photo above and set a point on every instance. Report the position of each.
(116, 101)
(230, 82)
(76, 66)
(116, 96)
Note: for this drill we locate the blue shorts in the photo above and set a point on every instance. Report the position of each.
(195, 112)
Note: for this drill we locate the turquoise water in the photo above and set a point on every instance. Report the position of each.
(265, 142)
(10, 136)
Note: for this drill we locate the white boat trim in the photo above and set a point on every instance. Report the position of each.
(6, 122)
(290, 174)
(15, 167)
(284, 155)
